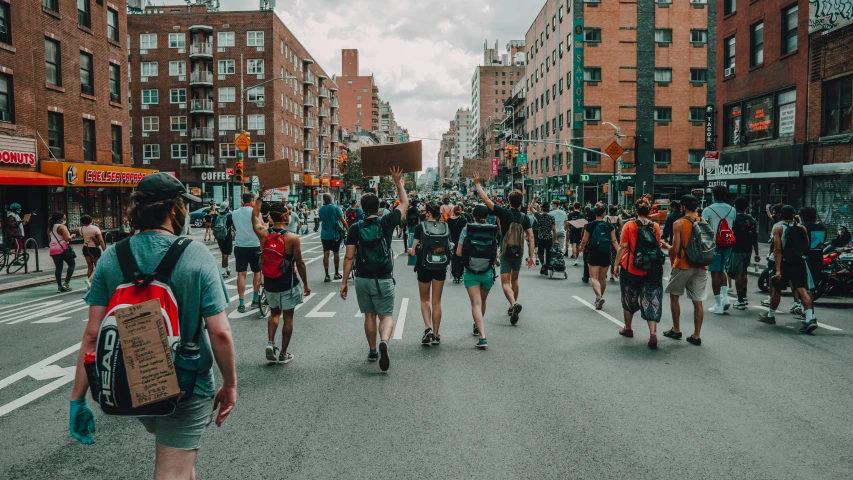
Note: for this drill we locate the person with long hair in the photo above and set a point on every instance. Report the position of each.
(430, 282)
(456, 222)
(208, 221)
(599, 237)
(60, 249)
(478, 276)
(93, 245)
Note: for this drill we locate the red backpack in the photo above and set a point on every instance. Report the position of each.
(273, 257)
(725, 236)
(113, 393)
(352, 217)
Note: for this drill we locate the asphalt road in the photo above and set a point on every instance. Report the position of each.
(560, 395)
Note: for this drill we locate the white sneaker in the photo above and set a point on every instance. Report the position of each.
(575, 264)
(718, 310)
(285, 358)
(765, 302)
(88, 284)
(599, 303)
(271, 352)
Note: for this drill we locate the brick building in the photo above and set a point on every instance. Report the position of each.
(64, 117)
(491, 84)
(828, 167)
(359, 95)
(762, 66)
(188, 69)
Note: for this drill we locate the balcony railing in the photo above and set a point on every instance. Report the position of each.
(310, 123)
(308, 78)
(201, 77)
(324, 92)
(324, 132)
(205, 49)
(334, 102)
(204, 161)
(324, 112)
(309, 101)
(310, 144)
(335, 120)
(201, 105)
(202, 133)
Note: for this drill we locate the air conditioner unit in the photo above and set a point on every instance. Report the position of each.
(144, 80)
(183, 133)
(220, 50)
(260, 132)
(143, 52)
(221, 78)
(183, 161)
(729, 72)
(181, 50)
(146, 161)
(259, 104)
(182, 78)
(221, 133)
(260, 49)
(145, 107)
(221, 105)
(260, 76)
(144, 134)
(182, 106)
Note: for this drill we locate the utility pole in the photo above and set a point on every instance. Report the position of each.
(617, 164)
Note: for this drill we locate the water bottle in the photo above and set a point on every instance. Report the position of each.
(186, 366)
(92, 375)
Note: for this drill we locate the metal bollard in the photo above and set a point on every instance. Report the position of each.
(27, 257)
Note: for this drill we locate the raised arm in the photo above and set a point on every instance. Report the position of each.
(482, 193)
(397, 175)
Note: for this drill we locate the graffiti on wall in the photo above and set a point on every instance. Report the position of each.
(828, 15)
(832, 197)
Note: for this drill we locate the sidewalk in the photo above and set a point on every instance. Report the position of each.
(15, 281)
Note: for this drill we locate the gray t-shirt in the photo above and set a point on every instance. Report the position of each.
(196, 283)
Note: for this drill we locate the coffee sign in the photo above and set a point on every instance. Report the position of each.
(215, 177)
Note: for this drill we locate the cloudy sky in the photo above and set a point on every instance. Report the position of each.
(423, 53)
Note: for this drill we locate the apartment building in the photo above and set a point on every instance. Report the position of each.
(64, 117)
(448, 169)
(200, 77)
(491, 84)
(762, 58)
(359, 95)
(393, 132)
(828, 167)
(462, 147)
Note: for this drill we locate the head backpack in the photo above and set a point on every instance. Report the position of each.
(220, 227)
(514, 237)
(435, 245)
(647, 254)
(725, 237)
(701, 246)
(274, 261)
(114, 394)
(479, 247)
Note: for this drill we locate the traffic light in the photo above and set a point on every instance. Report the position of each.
(523, 169)
(238, 172)
(514, 153)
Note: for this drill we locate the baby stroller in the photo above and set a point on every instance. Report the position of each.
(558, 262)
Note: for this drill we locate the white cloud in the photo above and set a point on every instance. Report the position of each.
(423, 54)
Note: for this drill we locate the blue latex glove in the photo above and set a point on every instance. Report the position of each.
(81, 422)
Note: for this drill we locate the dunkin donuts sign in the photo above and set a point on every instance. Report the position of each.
(17, 158)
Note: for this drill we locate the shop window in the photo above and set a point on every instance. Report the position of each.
(786, 108)
(837, 102)
(695, 157)
(84, 16)
(759, 118)
(115, 83)
(5, 23)
(89, 140)
(115, 147)
(756, 45)
(112, 24)
(56, 134)
(732, 125)
(52, 62)
(663, 156)
(178, 95)
(7, 99)
(789, 29)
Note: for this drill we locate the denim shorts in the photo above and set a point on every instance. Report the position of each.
(182, 430)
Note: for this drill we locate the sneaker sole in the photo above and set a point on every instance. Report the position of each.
(513, 319)
(481, 347)
(811, 328)
(285, 361)
(768, 321)
(384, 361)
(371, 359)
(271, 356)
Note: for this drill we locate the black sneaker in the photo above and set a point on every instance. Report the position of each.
(427, 338)
(373, 356)
(254, 304)
(763, 317)
(476, 332)
(670, 334)
(327, 279)
(809, 327)
(509, 311)
(384, 361)
(516, 309)
(436, 340)
(242, 308)
(694, 341)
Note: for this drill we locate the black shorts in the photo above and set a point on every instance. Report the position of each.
(426, 276)
(575, 236)
(331, 245)
(248, 257)
(93, 252)
(793, 273)
(226, 245)
(598, 259)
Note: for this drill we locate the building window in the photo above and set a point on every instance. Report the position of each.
(699, 35)
(177, 68)
(5, 24)
(592, 74)
(83, 14)
(729, 7)
(7, 97)
(227, 150)
(663, 114)
(52, 62)
(115, 144)
(663, 156)
(150, 124)
(699, 75)
(663, 75)
(255, 39)
(178, 95)
(729, 54)
(697, 114)
(50, 5)
(257, 150)
(227, 122)
(592, 35)
(592, 114)
(112, 24)
(756, 45)
(89, 140)
(670, 1)
(148, 69)
(177, 40)
(179, 124)
(695, 157)
(837, 102)
(226, 67)
(87, 80)
(226, 94)
(115, 83)
(663, 35)
(255, 94)
(255, 66)
(789, 29)
(179, 150)
(150, 151)
(148, 41)
(225, 39)
(56, 134)
(589, 157)
(256, 122)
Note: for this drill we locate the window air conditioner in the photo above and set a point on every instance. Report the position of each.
(729, 72)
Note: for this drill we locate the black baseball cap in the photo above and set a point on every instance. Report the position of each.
(162, 186)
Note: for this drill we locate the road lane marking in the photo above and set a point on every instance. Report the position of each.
(316, 313)
(31, 301)
(38, 366)
(401, 319)
(304, 301)
(600, 312)
(35, 394)
(50, 372)
(29, 308)
(819, 324)
(358, 314)
(61, 310)
(65, 312)
(313, 260)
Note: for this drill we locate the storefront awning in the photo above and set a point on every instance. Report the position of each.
(12, 177)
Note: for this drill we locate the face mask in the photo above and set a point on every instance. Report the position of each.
(62, 222)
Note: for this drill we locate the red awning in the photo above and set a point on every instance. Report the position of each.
(11, 177)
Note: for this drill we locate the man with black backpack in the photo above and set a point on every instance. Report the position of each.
(745, 228)
(515, 228)
(192, 288)
(721, 216)
(223, 233)
(369, 246)
(790, 251)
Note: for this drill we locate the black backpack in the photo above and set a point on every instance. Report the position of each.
(434, 246)
(745, 229)
(647, 254)
(373, 255)
(796, 243)
(480, 247)
(600, 238)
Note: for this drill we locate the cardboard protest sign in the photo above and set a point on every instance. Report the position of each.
(470, 166)
(272, 174)
(579, 223)
(147, 353)
(379, 160)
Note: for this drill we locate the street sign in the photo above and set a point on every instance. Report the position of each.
(229, 171)
(584, 178)
(712, 159)
(614, 150)
(522, 159)
(242, 141)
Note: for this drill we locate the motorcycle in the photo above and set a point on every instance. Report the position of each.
(839, 279)
(835, 278)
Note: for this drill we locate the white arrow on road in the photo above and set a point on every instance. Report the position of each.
(316, 313)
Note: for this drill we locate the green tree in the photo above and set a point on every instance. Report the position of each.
(353, 176)
(411, 186)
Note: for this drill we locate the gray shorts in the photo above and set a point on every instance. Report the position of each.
(738, 264)
(375, 296)
(692, 280)
(286, 300)
(182, 430)
(561, 238)
(510, 265)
